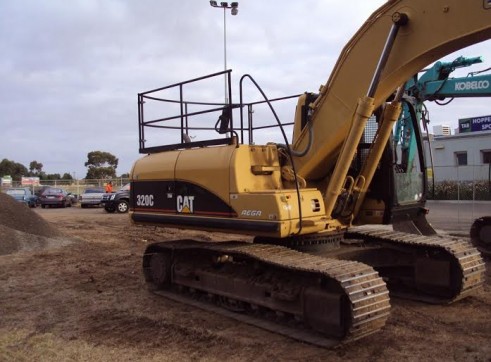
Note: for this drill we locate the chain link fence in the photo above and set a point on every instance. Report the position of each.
(76, 187)
(469, 182)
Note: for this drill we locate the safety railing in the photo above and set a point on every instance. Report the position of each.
(182, 115)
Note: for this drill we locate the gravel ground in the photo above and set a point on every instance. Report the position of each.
(79, 295)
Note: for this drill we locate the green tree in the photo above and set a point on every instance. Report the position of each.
(14, 169)
(101, 165)
(52, 176)
(35, 168)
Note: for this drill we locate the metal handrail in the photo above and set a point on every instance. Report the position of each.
(184, 115)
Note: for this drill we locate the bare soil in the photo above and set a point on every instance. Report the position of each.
(81, 297)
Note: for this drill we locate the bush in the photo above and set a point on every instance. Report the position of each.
(464, 190)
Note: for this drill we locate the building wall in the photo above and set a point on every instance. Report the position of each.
(445, 148)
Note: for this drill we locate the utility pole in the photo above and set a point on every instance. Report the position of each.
(234, 11)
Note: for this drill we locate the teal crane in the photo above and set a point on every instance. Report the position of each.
(435, 85)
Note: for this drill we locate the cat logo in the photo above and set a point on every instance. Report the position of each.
(185, 204)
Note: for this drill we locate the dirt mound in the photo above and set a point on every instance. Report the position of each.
(21, 228)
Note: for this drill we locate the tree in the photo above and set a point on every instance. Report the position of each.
(14, 169)
(101, 165)
(35, 168)
(67, 176)
(53, 176)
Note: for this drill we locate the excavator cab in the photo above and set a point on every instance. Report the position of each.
(398, 192)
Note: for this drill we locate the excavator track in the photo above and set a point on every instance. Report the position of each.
(444, 269)
(481, 235)
(317, 300)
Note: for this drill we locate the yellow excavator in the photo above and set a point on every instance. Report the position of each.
(323, 257)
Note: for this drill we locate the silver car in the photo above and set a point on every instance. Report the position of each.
(24, 195)
(91, 197)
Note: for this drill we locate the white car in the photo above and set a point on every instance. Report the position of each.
(91, 197)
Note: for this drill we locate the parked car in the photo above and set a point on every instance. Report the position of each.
(119, 201)
(91, 197)
(55, 197)
(74, 198)
(38, 190)
(24, 195)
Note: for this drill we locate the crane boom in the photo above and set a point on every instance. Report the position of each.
(476, 86)
(436, 85)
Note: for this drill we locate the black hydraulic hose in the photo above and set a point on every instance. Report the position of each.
(288, 148)
(471, 74)
(444, 103)
(309, 145)
(432, 97)
(398, 19)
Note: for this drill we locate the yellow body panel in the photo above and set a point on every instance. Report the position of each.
(158, 166)
(255, 168)
(208, 168)
(282, 206)
(247, 178)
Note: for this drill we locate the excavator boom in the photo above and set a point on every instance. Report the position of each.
(434, 29)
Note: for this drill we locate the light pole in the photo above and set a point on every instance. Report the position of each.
(234, 11)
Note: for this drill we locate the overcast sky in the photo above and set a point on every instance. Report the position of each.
(71, 70)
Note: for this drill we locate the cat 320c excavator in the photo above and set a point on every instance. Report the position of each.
(321, 263)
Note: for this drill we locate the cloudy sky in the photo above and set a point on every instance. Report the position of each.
(71, 70)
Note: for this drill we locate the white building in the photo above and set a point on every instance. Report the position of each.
(461, 157)
(442, 130)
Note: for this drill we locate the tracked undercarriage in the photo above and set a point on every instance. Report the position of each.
(432, 269)
(341, 300)
(321, 299)
(481, 235)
